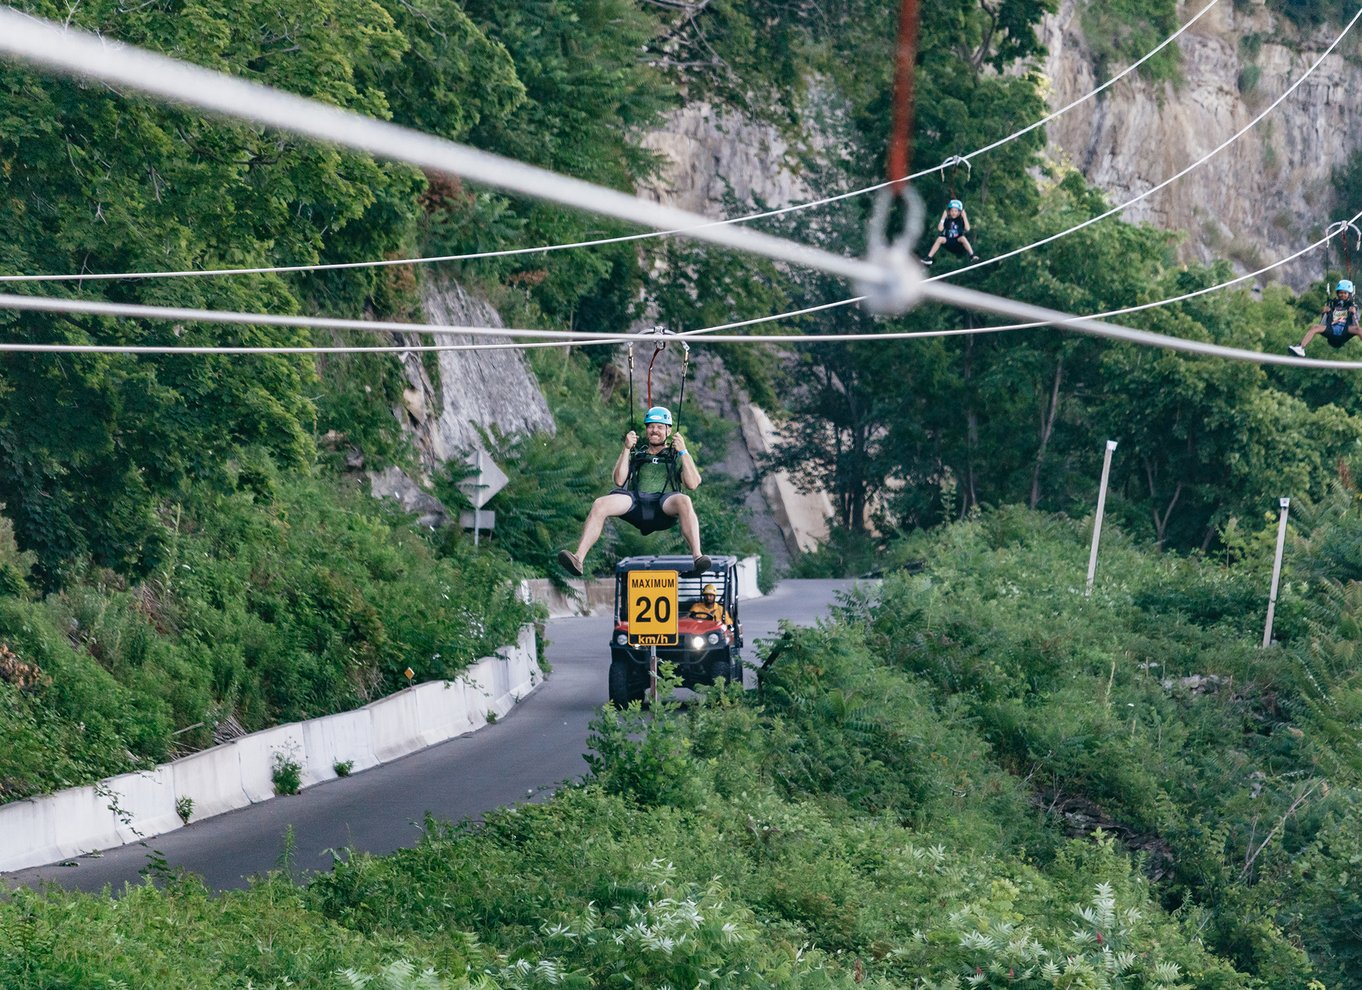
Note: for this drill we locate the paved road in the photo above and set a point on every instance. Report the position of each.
(537, 746)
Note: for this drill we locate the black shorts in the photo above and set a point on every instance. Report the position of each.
(646, 514)
(953, 244)
(1337, 335)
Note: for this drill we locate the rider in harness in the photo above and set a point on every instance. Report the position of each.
(1338, 323)
(953, 226)
(647, 492)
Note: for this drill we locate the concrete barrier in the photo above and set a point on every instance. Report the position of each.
(443, 711)
(333, 739)
(396, 731)
(55, 827)
(145, 803)
(584, 596)
(749, 574)
(139, 806)
(211, 779)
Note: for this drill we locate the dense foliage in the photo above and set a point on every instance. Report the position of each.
(977, 777)
(284, 600)
(984, 778)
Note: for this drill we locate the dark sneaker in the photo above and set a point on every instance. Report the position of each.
(570, 562)
(974, 257)
(702, 564)
(1297, 350)
(926, 261)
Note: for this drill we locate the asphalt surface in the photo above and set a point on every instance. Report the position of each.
(524, 756)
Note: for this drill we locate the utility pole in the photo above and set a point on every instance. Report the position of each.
(1285, 504)
(1101, 510)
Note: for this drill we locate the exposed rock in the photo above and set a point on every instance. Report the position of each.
(477, 388)
(1080, 818)
(1195, 684)
(714, 155)
(1265, 196)
(394, 483)
(802, 516)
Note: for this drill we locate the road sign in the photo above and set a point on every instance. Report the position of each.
(486, 482)
(484, 520)
(651, 608)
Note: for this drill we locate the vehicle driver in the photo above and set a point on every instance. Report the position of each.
(647, 492)
(709, 607)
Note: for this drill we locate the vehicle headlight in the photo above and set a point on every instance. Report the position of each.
(621, 638)
(697, 642)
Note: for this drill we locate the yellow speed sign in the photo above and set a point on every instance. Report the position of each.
(652, 608)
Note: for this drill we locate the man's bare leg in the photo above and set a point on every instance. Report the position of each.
(614, 504)
(681, 507)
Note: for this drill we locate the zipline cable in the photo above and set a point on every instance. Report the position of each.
(952, 295)
(953, 162)
(576, 338)
(1171, 179)
(1329, 235)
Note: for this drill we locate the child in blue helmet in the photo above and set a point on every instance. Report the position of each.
(953, 226)
(1338, 323)
(647, 492)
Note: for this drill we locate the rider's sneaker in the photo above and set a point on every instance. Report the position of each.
(570, 562)
(1297, 350)
(974, 257)
(926, 261)
(701, 564)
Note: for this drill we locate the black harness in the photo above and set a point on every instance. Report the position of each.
(667, 457)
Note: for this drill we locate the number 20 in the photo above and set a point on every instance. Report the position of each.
(661, 607)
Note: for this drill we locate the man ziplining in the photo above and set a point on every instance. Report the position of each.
(647, 492)
(1338, 323)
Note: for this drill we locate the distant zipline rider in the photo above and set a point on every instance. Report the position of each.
(953, 226)
(1338, 323)
(647, 492)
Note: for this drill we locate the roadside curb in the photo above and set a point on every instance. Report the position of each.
(135, 806)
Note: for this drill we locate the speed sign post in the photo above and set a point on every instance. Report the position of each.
(652, 608)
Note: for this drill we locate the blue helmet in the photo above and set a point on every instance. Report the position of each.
(658, 414)
(955, 204)
(1344, 285)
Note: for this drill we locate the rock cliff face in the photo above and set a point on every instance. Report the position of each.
(711, 155)
(492, 389)
(476, 388)
(1263, 197)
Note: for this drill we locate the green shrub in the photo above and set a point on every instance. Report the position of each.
(286, 772)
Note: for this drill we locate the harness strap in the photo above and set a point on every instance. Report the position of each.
(901, 128)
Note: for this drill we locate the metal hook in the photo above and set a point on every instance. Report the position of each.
(1339, 227)
(954, 161)
(900, 285)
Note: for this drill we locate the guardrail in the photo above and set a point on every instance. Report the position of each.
(135, 806)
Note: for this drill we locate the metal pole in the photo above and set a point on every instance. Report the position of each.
(477, 497)
(1101, 510)
(652, 671)
(1276, 571)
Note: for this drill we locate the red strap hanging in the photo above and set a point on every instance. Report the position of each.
(900, 137)
(657, 349)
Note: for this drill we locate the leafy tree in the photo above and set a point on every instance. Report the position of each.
(95, 181)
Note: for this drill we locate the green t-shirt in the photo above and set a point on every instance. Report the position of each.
(653, 473)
